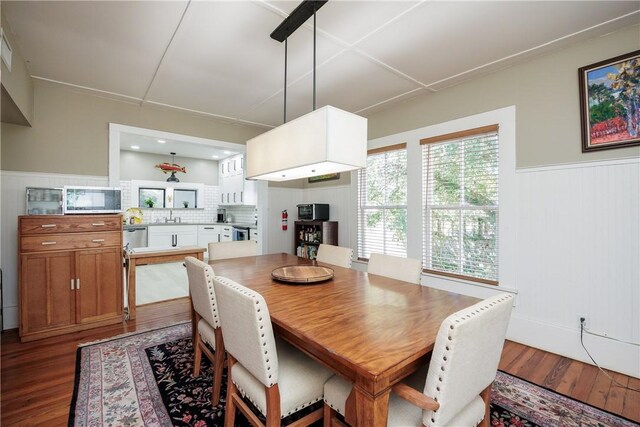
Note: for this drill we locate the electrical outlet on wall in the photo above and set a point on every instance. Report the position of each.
(582, 320)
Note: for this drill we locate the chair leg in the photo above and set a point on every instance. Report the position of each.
(326, 415)
(486, 398)
(217, 368)
(330, 418)
(273, 406)
(197, 351)
(230, 410)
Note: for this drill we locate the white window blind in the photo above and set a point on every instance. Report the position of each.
(460, 188)
(382, 203)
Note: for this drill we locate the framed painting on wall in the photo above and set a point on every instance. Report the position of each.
(610, 103)
(327, 177)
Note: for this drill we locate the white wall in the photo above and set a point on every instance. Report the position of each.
(339, 210)
(12, 190)
(141, 166)
(579, 255)
(279, 199)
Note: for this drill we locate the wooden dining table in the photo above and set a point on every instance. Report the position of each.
(370, 329)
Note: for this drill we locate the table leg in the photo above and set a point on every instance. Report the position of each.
(132, 289)
(371, 411)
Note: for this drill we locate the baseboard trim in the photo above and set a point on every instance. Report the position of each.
(613, 355)
(10, 317)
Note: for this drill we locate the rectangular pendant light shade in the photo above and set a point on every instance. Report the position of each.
(327, 140)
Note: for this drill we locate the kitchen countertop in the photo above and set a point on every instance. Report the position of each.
(162, 224)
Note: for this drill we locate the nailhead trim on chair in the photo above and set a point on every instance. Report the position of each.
(266, 358)
(257, 301)
(447, 348)
(209, 276)
(294, 410)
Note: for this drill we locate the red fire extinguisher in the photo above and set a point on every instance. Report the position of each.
(285, 217)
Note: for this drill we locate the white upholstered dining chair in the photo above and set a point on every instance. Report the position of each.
(405, 269)
(207, 321)
(463, 366)
(277, 378)
(336, 255)
(235, 249)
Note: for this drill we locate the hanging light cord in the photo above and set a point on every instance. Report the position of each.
(285, 80)
(314, 59)
(596, 363)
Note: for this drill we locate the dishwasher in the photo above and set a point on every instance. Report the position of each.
(134, 237)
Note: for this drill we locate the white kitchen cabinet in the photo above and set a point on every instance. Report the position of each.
(234, 188)
(172, 235)
(208, 234)
(226, 233)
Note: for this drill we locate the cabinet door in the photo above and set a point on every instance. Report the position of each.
(187, 237)
(47, 300)
(222, 184)
(238, 189)
(98, 284)
(208, 234)
(158, 237)
(249, 194)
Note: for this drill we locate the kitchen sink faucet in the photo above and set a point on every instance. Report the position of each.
(172, 218)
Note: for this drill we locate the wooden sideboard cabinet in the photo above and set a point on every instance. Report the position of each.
(70, 273)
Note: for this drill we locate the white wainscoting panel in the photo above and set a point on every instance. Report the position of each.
(279, 199)
(338, 198)
(579, 255)
(12, 189)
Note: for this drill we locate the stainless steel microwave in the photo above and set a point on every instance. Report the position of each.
(91, 200)
(313, 212)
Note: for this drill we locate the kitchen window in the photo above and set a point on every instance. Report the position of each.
(382, 203)
(460, 204)
(151, 197)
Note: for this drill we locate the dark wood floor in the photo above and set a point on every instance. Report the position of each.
(37, 377)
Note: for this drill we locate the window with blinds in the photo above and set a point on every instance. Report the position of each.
(460, 199)
(382, 203)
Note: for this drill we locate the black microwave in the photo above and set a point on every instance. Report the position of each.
(313, 212)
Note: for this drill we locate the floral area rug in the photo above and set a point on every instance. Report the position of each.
(144, 379)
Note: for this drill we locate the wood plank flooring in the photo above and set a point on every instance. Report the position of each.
(572, 378)
(37, 377)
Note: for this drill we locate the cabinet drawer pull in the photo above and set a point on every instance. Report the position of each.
(98, 224)
(209, 228)
(72, 287)
(98, 240)
(77, 283)
(48, 225)
(48, 243)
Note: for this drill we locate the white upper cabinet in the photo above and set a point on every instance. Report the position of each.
(234, 188)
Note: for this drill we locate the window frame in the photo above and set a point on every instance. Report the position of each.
(448, 138)
(361, 209)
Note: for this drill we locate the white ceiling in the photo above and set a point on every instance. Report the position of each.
(216, 57)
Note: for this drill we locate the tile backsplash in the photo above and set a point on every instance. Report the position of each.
(208, 214)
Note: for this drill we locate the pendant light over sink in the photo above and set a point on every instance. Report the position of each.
(325, 141)
(172, 168)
